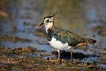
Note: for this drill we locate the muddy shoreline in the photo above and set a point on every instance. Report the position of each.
(20, 59)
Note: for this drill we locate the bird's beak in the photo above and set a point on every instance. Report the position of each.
(41, 24)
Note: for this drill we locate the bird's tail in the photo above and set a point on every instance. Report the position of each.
(87, 41)
(91, 41)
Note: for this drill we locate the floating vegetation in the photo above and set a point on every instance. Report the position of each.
(40, 32)
(20, 51)
(103, 53)
(3, 14)
(100, 29)
(26, 23)
(13, 39)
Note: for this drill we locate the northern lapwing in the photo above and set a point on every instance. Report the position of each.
(62, 39)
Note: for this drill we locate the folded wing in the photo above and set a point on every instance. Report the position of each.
(73, 39)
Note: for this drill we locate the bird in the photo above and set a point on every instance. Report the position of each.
(62, 39)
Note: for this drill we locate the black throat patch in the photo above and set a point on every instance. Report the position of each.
(50, 34)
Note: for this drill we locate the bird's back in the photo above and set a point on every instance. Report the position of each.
(73, 39)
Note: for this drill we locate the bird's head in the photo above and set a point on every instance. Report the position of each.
(48, 21)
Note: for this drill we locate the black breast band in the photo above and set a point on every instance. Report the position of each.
(49, 34)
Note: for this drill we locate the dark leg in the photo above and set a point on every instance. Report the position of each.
(71, 51)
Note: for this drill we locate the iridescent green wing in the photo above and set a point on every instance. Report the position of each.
(68, 37)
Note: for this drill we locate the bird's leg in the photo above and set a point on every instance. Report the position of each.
(71, 53)
(58, 55)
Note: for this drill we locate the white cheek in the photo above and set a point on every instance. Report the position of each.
(49, 25)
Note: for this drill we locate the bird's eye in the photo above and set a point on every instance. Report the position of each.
(47, 20)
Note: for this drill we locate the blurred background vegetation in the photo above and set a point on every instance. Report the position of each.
(79, 16)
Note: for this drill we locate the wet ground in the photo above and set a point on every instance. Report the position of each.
(24, 45)
(29, 58)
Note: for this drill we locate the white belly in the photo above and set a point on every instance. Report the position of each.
(58, 44)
